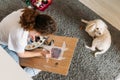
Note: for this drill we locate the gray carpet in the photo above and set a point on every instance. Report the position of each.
(84, 66)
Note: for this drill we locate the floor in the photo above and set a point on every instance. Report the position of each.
(84, 66)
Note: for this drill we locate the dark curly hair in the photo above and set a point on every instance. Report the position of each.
(32, 20)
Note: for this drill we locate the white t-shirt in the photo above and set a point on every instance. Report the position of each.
(12, 34)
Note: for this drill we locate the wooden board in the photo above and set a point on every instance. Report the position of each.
(56, 66)
(107, 9)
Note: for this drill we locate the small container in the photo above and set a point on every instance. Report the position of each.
(41, 4)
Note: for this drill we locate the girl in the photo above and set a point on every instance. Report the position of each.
(17, 27)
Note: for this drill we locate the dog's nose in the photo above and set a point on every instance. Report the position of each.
(99, 33)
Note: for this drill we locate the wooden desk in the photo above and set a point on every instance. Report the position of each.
(56, 66)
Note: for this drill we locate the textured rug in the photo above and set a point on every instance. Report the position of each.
(68, 15)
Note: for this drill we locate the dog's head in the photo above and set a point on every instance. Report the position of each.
(100, 27)
(96, 26)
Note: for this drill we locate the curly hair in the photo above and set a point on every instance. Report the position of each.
(32, 20)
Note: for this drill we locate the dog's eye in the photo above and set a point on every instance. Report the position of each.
(97, 28)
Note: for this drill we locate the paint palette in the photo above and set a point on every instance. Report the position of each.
(39, 41)
(32, 46)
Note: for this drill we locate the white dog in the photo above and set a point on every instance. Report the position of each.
(101, 36)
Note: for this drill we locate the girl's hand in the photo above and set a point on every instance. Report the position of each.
(46, 53)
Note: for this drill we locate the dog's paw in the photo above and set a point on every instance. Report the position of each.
(87, 46)
(95, 55)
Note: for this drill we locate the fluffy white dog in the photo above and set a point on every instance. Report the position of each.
(101, 36)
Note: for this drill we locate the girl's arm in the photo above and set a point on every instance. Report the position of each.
(36, 53)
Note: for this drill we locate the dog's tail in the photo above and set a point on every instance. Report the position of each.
(95, 54)
(98, 52)
(85, 21)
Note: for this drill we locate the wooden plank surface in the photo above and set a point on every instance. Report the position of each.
(107, 9)
(56, 66)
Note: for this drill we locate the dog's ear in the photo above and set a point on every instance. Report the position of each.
(90, 27)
